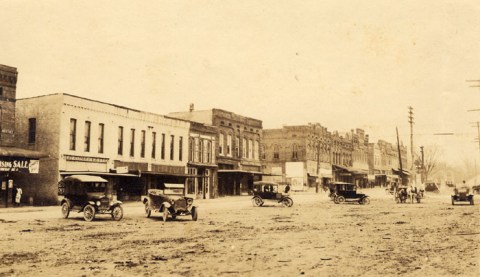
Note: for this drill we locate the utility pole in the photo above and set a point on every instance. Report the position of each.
(422, 171)
(399, 158)
(410, 120)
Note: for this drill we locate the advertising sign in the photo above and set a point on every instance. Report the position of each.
(295, 172)
(19, 164)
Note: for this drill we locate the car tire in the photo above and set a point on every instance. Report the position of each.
(194, 214)
(453, 202)
(365, 201)
(287, 202)
(65, 210)
(340, 199)
(471, 201)
(165, 214)
(257, 201)
(117, 213)
(89, 212)
(148, 212)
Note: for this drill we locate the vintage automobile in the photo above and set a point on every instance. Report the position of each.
(269, 191)
(341, 192)
(170, 199)
(432, 187)
(462, 194)
(89, 194)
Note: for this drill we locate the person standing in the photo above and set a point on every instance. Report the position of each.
(18, 197)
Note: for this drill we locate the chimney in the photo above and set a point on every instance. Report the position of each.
(191, 107)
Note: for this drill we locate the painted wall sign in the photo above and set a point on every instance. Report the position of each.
(18, 164)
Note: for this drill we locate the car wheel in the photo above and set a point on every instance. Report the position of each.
(257, 201)
(117, 213)
(148, 212)
(453, 202)
(290, 202)
(365, 201)
(65, 210)
(340, 199)
(89, 213)
(194, 214)
(471, 201)
(287, 202)
(165, 214)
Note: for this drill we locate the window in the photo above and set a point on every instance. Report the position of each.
(255, 150)
(220, 144)
(101, 132)
(1, 91)
(73, 133)
(120, 140)
(172, 147)
(180, 148)
(132, 142)
(142, 144)
(209, 152)
(244, 147)
(237, 147)
(294, 151)
(86, 147)
(200, 151)
(229, 145)
(162, 153)
(32, 130)
(250, 149)
(276, 152)
(191, 149)
(154, 144)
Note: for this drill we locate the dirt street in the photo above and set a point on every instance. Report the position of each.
(315, 237)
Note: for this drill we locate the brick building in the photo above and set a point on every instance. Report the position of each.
(384, 162)
(134, 150)
(238, 148)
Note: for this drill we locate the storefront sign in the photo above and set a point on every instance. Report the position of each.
(85, 159)
(25, 165)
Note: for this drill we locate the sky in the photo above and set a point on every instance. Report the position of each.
(344, 64)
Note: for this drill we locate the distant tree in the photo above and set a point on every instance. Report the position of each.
(431, 155)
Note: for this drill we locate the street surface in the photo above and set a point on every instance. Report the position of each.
(315, 237)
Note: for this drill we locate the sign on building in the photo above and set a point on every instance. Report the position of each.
(13, 164)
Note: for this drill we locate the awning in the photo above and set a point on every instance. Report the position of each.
(20, 152)
(68, 173)
(246, 172)
(171, 174)
(85, 178)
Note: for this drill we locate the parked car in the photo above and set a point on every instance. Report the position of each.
(90, 195)
(270, 191)
(170, 199)
(341, 192)
(463, 194)
(432, 187)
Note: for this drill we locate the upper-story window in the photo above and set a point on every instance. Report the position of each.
(142, 144)
(191, 149)
(162, 152)
(32, 130)
(294, 151)
(132, 142)
(229, 145)
(180, 148)
(120, 140)
(237, 147)
(276, 152)
(256, 149)
(244, 148)
(200, 150)
(88, 125)
(154, 144)
(101, 133)
(209, 152)
(172, 147)
(73, 133)
(220, 144)
(250, 149)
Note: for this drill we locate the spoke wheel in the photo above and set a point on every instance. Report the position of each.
(89, 213)
(257, 201)
(65, 210)
(365, 201)
(194, 214)
(117, 213)
(340, 199)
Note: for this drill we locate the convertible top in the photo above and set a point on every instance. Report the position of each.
(259, 183)
(174, 186)
(85, 178)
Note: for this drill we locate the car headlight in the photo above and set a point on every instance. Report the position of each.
(189, 201)
(172, 202)
(98, 203)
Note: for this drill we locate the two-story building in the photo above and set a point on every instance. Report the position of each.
(238, 148)
(134, 150)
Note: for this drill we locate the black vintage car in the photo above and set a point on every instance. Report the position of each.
(270, 191)
(91, 195)
(462, 194)
(169, 199)
(341, 192)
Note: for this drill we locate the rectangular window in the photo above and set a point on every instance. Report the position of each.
(196, 157)
(237, 147)
(154, 144)
(132, 142)
(244, 148)
(180, 149)
(220, 145)
(142, 144)
(172, 146)
(250, 149)
(229, 145)
(73, 133)
(256, 155)
(163, 147)
(101, 133)
(120, 140)
(32, 130)
(86, 147)
(209, 152)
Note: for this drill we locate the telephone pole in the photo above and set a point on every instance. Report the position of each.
(410, 120)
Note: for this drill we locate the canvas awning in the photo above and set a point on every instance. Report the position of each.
(68, 173)
(246, 172)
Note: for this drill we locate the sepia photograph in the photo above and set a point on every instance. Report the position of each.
(240, 138)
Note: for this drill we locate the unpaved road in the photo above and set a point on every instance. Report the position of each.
(315, 237)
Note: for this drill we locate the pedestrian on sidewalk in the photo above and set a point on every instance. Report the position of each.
(18, 197)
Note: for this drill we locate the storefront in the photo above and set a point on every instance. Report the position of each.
(15, 163)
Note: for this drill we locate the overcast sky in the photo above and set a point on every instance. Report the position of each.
(344, 64)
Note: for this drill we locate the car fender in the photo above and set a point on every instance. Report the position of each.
(114, 204)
